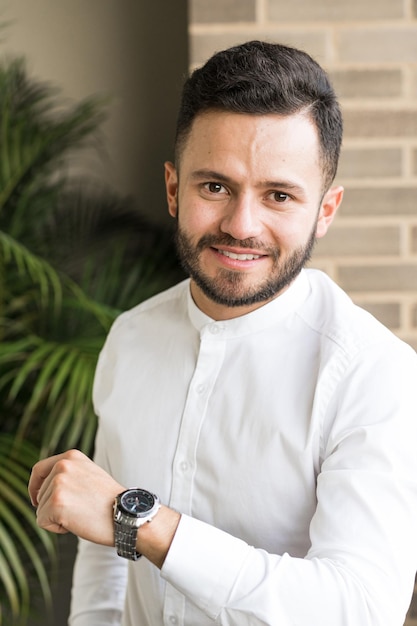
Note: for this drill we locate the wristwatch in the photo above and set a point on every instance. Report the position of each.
(132, 508)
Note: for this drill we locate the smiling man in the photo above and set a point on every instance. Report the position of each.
(252, 205)
(255, 459)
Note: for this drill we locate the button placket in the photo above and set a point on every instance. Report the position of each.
(207, 368)
(208, 364)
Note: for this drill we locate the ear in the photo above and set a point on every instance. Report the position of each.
(171, 185)
(330, 203)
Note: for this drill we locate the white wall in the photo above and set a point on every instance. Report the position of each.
(133, 51)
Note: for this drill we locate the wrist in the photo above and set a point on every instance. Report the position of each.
(142, 526)
(154, 540)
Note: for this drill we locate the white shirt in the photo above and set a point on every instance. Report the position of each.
(287, 440)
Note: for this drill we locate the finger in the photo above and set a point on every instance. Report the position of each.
(54, 496)
(52, 526)
(50, 515)
(40, 472)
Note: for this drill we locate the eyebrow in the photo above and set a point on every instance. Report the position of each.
(275, 184)
(210, 174)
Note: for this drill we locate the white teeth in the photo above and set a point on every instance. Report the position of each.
(240, 257)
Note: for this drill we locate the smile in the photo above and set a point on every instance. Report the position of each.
(239, 257)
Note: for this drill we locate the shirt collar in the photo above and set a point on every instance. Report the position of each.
(259, 319)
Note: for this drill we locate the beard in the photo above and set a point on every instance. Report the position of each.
(229, 287)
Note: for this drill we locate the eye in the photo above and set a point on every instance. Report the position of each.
(214, 188)
(280, 196)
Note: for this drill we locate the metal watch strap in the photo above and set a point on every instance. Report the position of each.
(125, 538)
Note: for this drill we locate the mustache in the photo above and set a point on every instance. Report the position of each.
(211, 241)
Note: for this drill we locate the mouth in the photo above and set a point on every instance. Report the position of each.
(239, 257)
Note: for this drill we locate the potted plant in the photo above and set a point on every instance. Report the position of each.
(72, 256)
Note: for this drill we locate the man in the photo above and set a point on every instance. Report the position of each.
(275, 420)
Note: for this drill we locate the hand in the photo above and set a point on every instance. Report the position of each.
(73, 494)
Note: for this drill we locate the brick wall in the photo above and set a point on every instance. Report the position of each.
(370, 50)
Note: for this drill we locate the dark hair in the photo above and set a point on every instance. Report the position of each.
(259, 78)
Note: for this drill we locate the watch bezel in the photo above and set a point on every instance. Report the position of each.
(138, 514)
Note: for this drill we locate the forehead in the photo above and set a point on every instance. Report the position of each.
(250, 144)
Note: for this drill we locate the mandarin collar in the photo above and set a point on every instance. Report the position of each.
(257, 320)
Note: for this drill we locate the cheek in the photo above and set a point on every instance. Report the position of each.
(196, 219)
(290, 234)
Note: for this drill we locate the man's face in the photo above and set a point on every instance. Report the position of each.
(248, 199)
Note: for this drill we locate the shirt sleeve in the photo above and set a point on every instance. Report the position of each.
(99, 587)
(361, 564)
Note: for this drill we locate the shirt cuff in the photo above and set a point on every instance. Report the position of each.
(196, 566)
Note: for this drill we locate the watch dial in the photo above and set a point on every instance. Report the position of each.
(137, 501)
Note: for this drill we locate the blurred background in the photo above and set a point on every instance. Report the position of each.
(89, 95)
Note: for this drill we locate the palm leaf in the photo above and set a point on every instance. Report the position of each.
(36, 269)
(18, 528)
(10, 587)
(62, 388)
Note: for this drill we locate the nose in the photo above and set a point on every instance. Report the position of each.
(241, 219)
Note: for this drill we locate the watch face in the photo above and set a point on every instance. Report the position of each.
(137, 502)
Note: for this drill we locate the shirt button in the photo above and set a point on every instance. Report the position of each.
(173, 619)
(215, 329)
(184, 467)
(201, 389)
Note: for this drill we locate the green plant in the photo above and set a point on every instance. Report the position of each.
(23, 546)
(72, 256)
